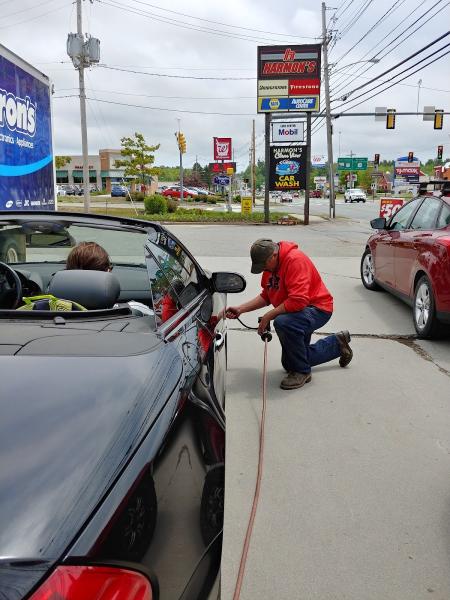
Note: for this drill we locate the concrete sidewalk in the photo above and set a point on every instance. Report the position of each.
(355, 499)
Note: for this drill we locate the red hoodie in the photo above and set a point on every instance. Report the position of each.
(296, 282)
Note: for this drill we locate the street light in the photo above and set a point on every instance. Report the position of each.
(374, 61)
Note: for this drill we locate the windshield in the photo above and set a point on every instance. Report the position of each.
(42, 241)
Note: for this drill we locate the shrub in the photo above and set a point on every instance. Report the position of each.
(136, 196)
(172, 205)
(155, 205)
(237, 198)
(215, 198)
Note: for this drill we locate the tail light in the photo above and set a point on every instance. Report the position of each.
(94, 583)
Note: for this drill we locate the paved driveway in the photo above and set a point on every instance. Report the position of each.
(355, 500)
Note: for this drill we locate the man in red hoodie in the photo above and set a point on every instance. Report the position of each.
(302, 304)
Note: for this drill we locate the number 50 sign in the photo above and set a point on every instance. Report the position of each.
(389, 206)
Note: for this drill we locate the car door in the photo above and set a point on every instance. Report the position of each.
(414, 242)
(384, 244)
(189, 471)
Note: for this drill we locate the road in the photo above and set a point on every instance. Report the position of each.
(355, 497)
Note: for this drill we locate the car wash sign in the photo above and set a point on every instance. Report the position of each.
(287, 168)
(289, 78)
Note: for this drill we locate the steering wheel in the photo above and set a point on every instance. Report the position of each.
(10, 287)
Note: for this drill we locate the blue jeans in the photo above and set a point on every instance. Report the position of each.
(294, 331)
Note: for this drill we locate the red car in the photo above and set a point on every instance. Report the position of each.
(175, 192)
(409, 256)
(315, 194)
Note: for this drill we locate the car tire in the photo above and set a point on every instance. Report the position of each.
(367, 271)
(11, 253)
(212, 504)
(424, 310)
(133, 531)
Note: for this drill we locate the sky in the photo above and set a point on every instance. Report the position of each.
(138, 35)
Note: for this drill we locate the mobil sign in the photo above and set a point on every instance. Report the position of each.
(287, 132)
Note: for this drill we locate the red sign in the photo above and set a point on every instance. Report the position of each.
(222, 148)
(407, 171)
(275, 62)
(389, 206)
(300, 87)
(222, 167)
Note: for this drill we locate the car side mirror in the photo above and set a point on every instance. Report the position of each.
(378, 223)
(228, 283)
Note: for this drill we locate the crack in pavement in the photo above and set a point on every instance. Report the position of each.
(408, 340)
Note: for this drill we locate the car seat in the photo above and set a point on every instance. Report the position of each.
(94, 290)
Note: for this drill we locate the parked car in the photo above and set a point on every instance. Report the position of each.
(69, 189)
(285, 197)
(112, 436)
(119, 191)
(355, 195)
(315, 194)
(60, 191)
(410, 257)
(175, 192)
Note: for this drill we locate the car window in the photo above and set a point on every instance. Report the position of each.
(425, 217)
(444, 217)
(173, 276)
(401, 218)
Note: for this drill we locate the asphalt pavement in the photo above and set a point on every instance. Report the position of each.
(355, 498)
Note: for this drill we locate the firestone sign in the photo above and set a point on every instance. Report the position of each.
(289, 78)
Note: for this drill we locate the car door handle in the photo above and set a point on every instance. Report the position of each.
(422, 235)
(219, 341)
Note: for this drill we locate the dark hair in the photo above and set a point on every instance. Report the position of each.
(89, 256)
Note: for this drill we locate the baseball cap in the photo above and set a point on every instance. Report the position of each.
(260, 251)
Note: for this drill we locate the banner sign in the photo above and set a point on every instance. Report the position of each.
(246, 206)
(222, 148)
(289, 78)
(222, 167)
(318, 160)
(287, 132)
(406, 173)
(26, 153)
(287, 168)
(221, 180)
(389, 206)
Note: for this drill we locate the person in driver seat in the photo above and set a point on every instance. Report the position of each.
(93, 257)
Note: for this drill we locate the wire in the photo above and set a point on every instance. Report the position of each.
(27, 9)
(165, 97)
(184, 25)
(355, 18)
(34, 18)
(101, 66)
(194, 112)
(221, 23)
(400, 63)
(343, 81)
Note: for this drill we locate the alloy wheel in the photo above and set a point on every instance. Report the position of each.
(422, 306)
(367, 269)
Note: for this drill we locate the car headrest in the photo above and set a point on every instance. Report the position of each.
(92, 289)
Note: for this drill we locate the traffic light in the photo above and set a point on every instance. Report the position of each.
(181, 142)
(440, 152)
(438, 119)
(376, 160)
(410, 156)
(390, 118)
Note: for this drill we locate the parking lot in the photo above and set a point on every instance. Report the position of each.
(355, 490)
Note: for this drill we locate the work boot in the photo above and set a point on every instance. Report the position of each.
(346, 352)
(293, 380)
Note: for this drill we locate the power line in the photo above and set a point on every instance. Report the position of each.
(176, 110)
(27, 9)
(176, 76)
(356, 16)
(36, 17)
(342, 81)
(183, 25)
(221, 23)
(401, 63)
(159, 96)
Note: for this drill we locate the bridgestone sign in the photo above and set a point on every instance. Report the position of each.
(287, 132)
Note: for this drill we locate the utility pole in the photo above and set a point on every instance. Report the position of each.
(351, 173)
(308, 168)
(328, 112)
(253, 165)
(267, 118)
(84, 139)
(181, 163)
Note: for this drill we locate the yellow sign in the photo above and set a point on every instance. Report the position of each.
(246, 206)
(230, 170)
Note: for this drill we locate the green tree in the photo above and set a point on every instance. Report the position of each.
(62, 161)
(140, 158)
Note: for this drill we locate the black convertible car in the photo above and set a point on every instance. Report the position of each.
(112, 428)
